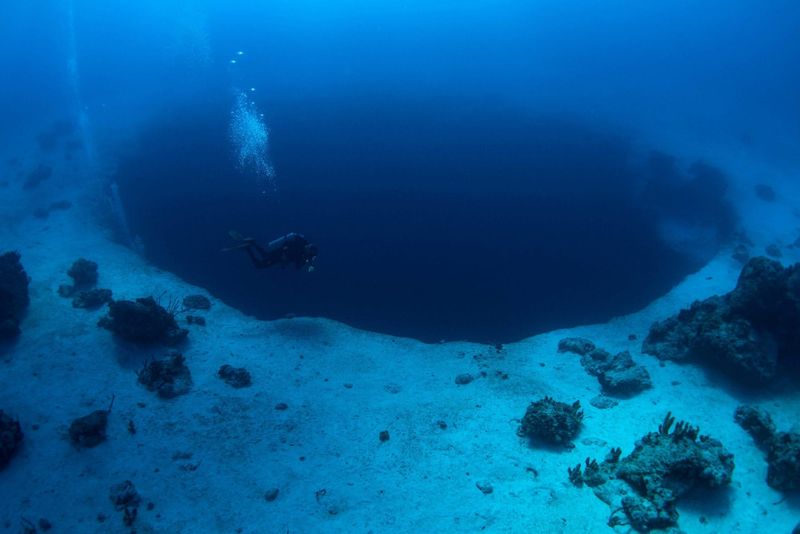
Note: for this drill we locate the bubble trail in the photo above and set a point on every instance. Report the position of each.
(249, 136)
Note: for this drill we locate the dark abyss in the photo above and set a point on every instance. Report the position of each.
(434, 220)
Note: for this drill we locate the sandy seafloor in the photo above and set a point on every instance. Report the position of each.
(343, 387)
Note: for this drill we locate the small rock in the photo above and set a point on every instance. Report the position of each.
(578, 345)
(237, 377)
(196, 302)
(384, 436)
(595, 442)
(485, 487)
(625, 377)
(393, 388)
(619, 374)
(10, 438)
(89, 430)
(83, 273)
(601, 402)
(464, 378)
(92, 299)
(168, 377)
(14, 298)
(551, 421)
(271, 494)
(281, 406)
(124, 495)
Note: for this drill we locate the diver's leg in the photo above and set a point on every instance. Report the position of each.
(255, 259)
(258, 255)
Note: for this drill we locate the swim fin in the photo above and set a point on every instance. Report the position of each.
(236, 236)
(244, 242)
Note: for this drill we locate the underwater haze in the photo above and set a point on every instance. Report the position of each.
(302, 265)
(468, 170)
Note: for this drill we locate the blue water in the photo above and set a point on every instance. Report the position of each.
(469, 170)
(418, 236)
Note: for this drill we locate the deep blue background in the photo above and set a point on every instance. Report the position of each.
(435, 219)
(468, 168)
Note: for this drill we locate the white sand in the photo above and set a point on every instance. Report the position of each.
(323, 452)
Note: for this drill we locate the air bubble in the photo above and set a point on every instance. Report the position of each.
(250, 138)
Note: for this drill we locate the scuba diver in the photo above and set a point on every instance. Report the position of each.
(290, 249)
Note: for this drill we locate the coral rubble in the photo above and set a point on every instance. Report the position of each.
(618, 375)
(643, 488)
(10, 438)
(748, 333)
(553, 422)
(143, 321)
(168, 377)
(83, 273)
(782, 448)
(13, 294)
(237, 377)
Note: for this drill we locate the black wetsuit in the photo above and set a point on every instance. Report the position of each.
(291, 248)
